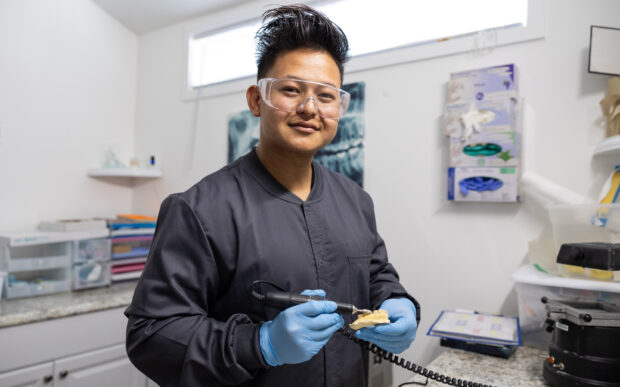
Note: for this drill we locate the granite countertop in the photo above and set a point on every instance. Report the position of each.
(523, 368)
(35, 309)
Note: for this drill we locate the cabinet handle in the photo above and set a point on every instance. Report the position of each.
(63, 374)
(47, 379)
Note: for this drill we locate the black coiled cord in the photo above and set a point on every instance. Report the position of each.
(392, 358)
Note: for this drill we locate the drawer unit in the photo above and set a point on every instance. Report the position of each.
(38, 262)
(34, 270)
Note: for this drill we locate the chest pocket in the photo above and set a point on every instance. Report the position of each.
(359, 280)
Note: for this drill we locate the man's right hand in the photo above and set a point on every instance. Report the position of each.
(299, 332)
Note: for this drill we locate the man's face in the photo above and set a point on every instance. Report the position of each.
(303, 131)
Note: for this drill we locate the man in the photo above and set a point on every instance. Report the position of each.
(271, 215)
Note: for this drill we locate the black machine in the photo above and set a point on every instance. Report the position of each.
(594, 255)
(585, 347)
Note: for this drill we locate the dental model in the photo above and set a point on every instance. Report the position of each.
(379, 316)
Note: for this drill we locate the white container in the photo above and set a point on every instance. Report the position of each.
(590, 222)
(579, 223)
(532, 285)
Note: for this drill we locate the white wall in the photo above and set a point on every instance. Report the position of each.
(67, 88)
(449, 254)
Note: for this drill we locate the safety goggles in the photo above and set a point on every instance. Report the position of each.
(292, 95)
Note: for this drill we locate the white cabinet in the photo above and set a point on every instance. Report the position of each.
(34, 376)
(101, 368)
(86, 350)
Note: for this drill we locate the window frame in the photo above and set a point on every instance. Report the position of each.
(535, 29)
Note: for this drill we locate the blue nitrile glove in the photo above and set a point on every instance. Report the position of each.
(299, 332)
(398, 335)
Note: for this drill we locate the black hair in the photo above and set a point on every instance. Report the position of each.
(288, 28)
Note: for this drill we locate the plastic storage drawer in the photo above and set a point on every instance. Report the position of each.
(91, 274)
(37, 257)
(36, 283)
(91, 250)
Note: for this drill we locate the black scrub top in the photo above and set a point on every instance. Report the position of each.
(192, 321)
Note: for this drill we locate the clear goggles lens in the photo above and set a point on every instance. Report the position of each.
(292, 95)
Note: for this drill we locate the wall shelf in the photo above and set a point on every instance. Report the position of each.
(125, 172)
(610, 145)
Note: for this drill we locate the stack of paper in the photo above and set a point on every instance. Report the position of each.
(131, 241)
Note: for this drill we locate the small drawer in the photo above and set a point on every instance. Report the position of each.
(37, 257)
(91, 249)
(36, 283)
(39, 263)
(91, 274)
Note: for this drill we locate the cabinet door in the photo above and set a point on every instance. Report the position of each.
(100, 368)
(38, 375)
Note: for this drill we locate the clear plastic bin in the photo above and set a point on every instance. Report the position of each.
(91, 249)
(91, 274)
(579, 223)
(532, 285)
(35, 257)
(37, 282)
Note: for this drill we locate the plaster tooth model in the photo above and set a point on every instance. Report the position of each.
(379, 316)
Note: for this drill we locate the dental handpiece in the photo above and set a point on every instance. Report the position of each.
(283, 300)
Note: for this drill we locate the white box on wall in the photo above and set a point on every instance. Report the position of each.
(497, 82)
(471, 153)
(499, 116)
(508, 191)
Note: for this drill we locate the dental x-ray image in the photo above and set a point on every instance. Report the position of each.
(345, 154)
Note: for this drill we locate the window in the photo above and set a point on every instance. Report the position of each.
(395, 23)
(394, 31)
(238, 44)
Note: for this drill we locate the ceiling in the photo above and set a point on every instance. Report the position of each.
(142, 16)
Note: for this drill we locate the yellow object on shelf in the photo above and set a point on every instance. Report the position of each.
(604, 275)
(609, 194)
(574, 270)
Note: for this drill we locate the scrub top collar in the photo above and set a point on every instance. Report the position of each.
(252, 163)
